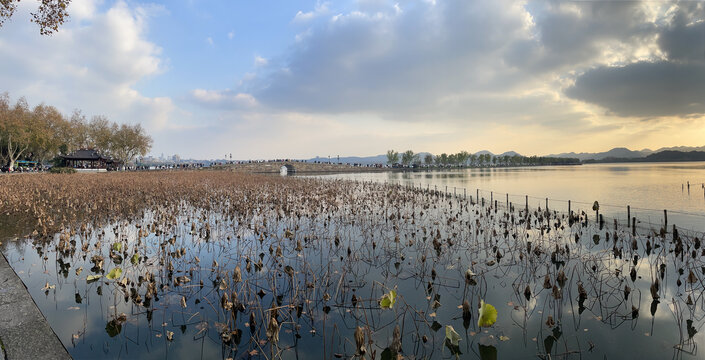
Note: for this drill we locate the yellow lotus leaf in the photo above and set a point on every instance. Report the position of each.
(488, 315)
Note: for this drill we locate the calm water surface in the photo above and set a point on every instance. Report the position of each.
(310, 262)
(648, 188)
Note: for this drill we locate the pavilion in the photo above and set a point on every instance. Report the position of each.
(89, 159)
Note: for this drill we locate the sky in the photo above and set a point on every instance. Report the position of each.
(297, 79)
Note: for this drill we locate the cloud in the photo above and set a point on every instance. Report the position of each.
(644, 89)
(209, 41)
(93, 63)
(398, 62)
(260, 61)
(671, 85)
(223, 99)
(231, 35)
(305, 17)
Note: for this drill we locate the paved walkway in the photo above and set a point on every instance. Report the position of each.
(24, 332)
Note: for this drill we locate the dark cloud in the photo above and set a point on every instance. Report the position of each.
(673, 86)
(684, 39)
(644, 89)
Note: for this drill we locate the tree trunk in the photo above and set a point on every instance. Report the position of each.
(12, 153)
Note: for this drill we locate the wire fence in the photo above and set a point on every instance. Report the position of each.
(642, 219)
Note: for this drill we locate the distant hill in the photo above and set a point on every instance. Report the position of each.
(661, 156)
(621, 153)
(681, 148)
(624, 153)
(672, 155)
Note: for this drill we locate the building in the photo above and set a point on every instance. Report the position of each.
(89, 159)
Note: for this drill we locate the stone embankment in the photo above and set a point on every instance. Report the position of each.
(24, 332)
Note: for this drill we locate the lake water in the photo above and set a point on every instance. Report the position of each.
(648, 188)
(322, 261)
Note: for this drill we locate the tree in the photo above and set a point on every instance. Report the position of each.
(49, 16)
(407, 157)
(130, 141)
(463, 157)
(473, 158)
(392, 157)
(47, 124)
(15, 129)
(78, 135)
(428, 159)
(101, 134)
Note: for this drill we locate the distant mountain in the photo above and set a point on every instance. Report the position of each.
(673, 155)
(624, 153)
(510, 153)
(621, 153)
(681, 148)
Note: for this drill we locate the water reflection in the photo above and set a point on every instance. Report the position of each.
(647, 188)
(296, 279)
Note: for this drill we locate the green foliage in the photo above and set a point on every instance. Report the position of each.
(392, 157)
(388, 300)
(114, 274)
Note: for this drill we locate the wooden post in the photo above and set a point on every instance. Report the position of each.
(507, 200)
(634, 226)
(477, 194)
(483, 202)
(491, 196)
(569, 213)
(465, 193)
(546, 205)
(527, 204)
(453, 191)
(629, 214)
(665, 219)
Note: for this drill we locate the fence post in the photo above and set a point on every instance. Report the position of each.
(665, 219)
(569, 213)
(491, 197)
(465, 193)
(634, 226)
(629, 214)
(527, 204)
(507, 200)
(546, 205)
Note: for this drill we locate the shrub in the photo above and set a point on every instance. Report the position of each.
(62, 170)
